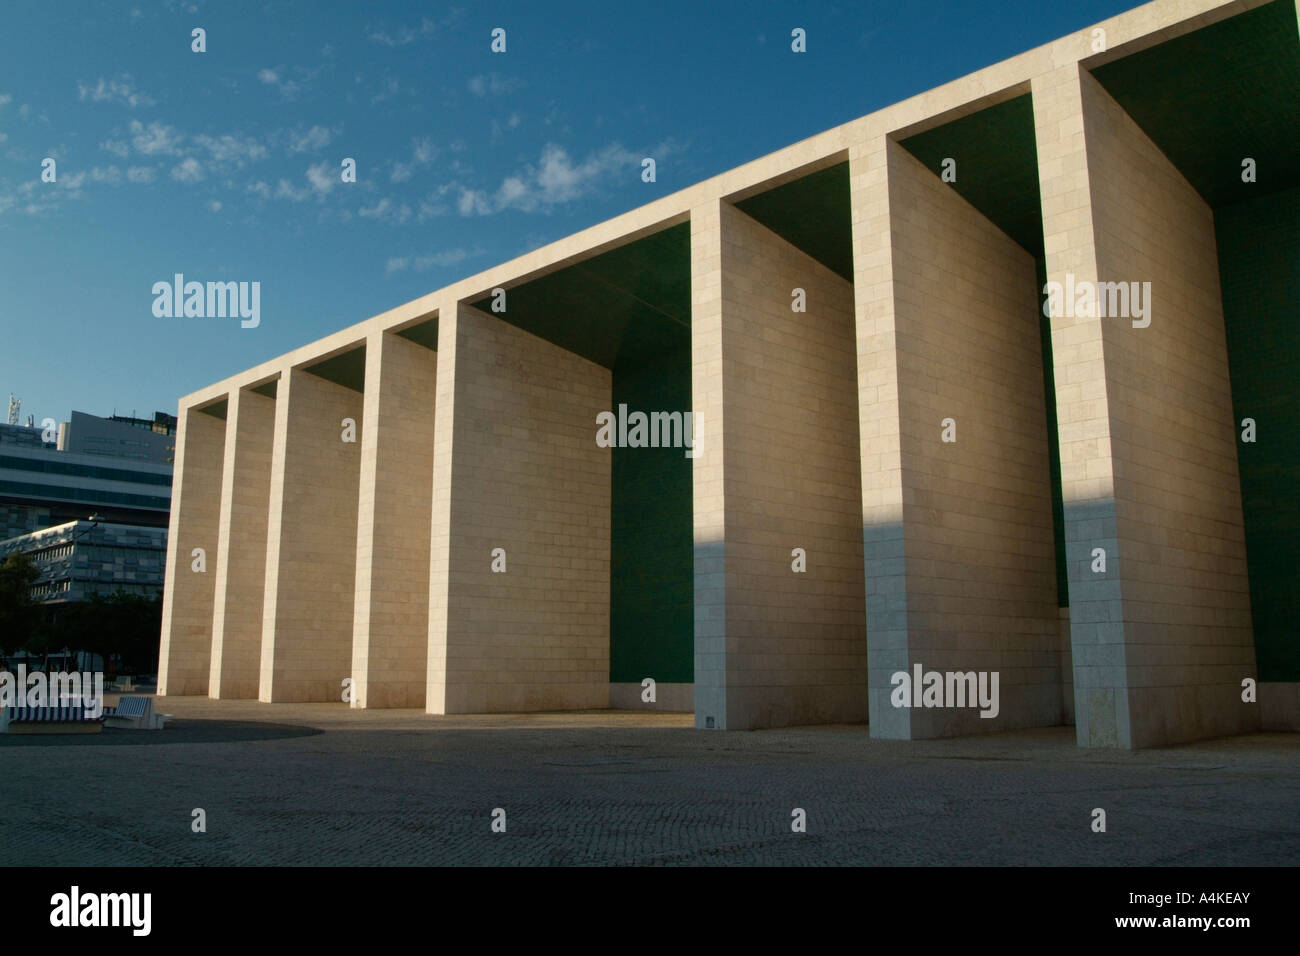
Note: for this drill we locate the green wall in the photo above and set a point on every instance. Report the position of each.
(651, 606)
(1259, 264)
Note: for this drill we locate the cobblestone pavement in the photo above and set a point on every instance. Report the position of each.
(318, 784)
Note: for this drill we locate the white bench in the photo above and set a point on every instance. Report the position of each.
(55, 718)
(136, 713)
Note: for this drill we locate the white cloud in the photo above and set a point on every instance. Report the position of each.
(318, 137)
(156, 138)
(401, 36)
(322, 178)
(422, 154)
(513, 191)
(473, 202)
(386, 209)
(434, 260)
(231, 150)
(391, 89)
(33, 197)
(261, 189)
(214, 205)
(490, 84)
(555, 179)
(498, 127)
(141, 174)
(433, 205)
(448, 257)
(188, 170)
(559, 180)
(398, 38)
(106, 174)
(5, 99)
(116, 146)
(121, 90)
(286, 190)
(277, 77)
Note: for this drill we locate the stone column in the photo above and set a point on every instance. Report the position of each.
(391, 632)
(241, 551)
(529, 484)
(186, 643)
(311, 559)
(791, 645)
(956, 477)
(708, 487)
(1161, 637)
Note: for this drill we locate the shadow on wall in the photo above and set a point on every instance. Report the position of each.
(1157, 658)
(776, 647)
(960, 640)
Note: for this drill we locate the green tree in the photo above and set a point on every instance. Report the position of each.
(17, 611)
(127, 625)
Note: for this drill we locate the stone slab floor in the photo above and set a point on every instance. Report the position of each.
(318, 784)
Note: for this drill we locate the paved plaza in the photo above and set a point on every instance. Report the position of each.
(319, 784)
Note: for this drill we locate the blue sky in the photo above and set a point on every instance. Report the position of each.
(224, 165)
